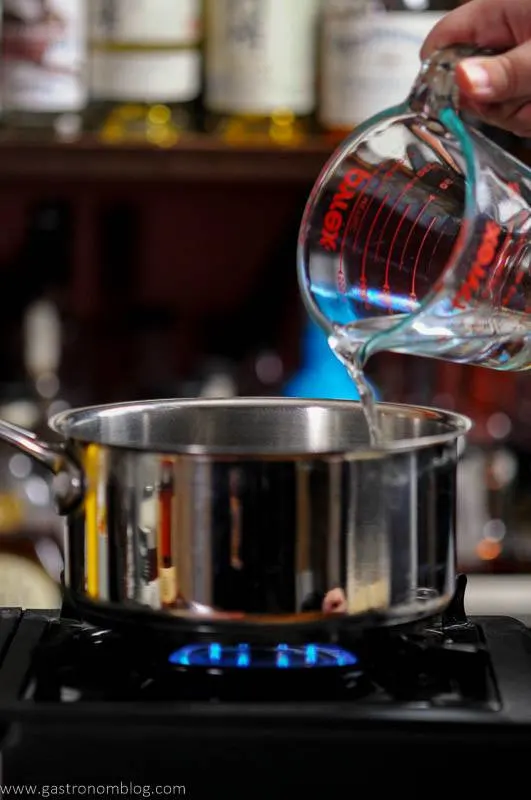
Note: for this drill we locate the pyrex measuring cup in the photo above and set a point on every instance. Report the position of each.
(416, 236)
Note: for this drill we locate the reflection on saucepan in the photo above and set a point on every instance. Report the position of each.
(332, 602)
(335, 602)
(190, 608)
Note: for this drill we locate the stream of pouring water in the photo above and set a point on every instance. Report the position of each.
(349, 357)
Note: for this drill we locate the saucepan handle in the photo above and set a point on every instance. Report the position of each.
(68, 477)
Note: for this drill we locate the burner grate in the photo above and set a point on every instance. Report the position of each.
(433, 666)
(443, 663)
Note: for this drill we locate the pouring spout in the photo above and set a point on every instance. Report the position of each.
(67, 482)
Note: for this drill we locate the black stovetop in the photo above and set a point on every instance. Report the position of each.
(82, 704)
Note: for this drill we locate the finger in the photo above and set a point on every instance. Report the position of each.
(484, 23)
(503, 112)
(521, 121)
(518, 122)
(466, 104)
(513, 117)
(496, 79)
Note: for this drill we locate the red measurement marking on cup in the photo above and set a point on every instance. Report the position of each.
(438, 240)
(403, 218)
(363, 199)
(408, 239)
(520, 244)
(334, 217)
(361, 204)
(478, 272)
(445, 184)
(498, 271)
(393, 208)
(413, 293)
(363, 276)
(429, 167)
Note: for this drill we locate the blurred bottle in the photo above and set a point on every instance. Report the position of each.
(488, 472)
(145, 68)
(31, 533)
(32, 358)
(487, 486)
(260, 69)
(23, 581)
(370, 56)
(218, 379)
(42, 355)
(43, 69)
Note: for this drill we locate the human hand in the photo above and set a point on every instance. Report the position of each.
(497, 89)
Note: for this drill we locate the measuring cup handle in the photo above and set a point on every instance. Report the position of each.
(435, 87)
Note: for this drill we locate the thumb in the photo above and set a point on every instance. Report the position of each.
(496, 79)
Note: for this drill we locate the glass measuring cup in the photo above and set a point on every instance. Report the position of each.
(416, 237)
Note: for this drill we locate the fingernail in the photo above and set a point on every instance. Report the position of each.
(477, 77)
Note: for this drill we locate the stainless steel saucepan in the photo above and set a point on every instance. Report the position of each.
(254, 516)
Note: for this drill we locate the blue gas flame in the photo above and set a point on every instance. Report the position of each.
(243, 656)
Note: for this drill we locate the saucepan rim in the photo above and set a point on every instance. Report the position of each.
(459, 425)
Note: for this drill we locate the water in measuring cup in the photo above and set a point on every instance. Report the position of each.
(501, 340)
(374, 243)
(377, 241)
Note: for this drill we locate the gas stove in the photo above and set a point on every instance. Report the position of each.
(85, 706)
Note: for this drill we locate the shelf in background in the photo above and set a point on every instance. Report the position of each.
(198, 159)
